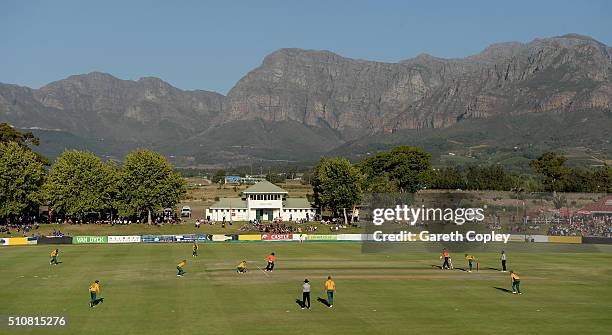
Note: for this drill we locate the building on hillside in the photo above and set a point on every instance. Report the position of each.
(262, 201)
(601, 207)
(232, 180)
(253, 179)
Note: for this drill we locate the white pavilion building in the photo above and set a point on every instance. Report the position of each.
(262, 201)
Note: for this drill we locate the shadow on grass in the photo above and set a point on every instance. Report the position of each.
(436, 266)
(496, 269)
(323, 301)
(299, 302)
(502, 289)
(97, 301)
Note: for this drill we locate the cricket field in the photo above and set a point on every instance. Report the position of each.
(566, 290)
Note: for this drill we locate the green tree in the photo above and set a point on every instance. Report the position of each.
(306, 177)
(219, 176)
(275, 177)
(577, 180)
(409, 167)
(382, 184)
(21, 176)
(337, 184)
(448, 178)
(79, 183)
(492, 177)
(550, 166)
(559, 200)
(112, 175)
(10, 134)
(148, 183)
(602, 180)
(586, 180)
(24, 139)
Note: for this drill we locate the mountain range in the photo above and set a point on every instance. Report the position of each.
(504, 105)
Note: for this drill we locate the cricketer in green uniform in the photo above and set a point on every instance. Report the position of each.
(94, 290)
(195, 250)
(330, 287)
(179, 267)
(516, 283)
(470, 259)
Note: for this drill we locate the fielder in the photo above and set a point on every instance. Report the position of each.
(330, 288)
(516, 282)
(470, 259)
(54, 254)
(94, 290)
(242, 267)
(179, 267)
(195, 250)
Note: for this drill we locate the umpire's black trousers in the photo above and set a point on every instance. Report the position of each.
(305, 298)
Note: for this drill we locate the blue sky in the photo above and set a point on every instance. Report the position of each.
(211, 45)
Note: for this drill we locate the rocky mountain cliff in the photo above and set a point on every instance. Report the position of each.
(317, 101)
(568, 73)
(98, 105)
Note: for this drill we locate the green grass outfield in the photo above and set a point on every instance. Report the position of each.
(567, 290)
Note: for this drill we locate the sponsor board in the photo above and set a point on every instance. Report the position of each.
(322, 237)
(518, 238)
(55, 240)
(192, 238)
(528, 238)
(249, 237)
(299, 237)
(124, 239)
(158, 238)
(538, 238)
(18, 241)
(221, 238)
(21, 241)
(349, 237)
(367, 237)
(565, 239)
(89, 239)
(276, 237)
(597, 240)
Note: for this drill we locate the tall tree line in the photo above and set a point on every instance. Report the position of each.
(556, 176)
(338, 184)
(79, 183)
